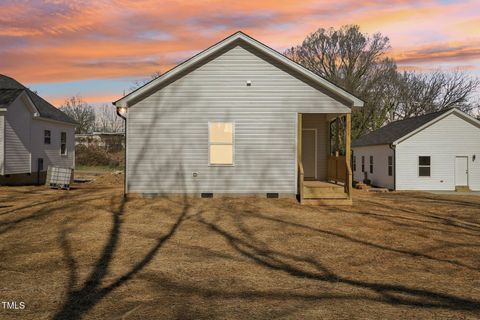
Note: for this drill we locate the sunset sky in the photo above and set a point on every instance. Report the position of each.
(96, 49)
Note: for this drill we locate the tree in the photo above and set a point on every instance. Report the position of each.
(81, 112)
(356, 62)
(107, 119)
(420, 93)
(140, 83)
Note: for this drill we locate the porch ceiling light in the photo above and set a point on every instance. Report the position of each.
(122, 112)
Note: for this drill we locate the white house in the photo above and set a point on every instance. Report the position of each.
(237, 118)
(33, 135)
(436, 151)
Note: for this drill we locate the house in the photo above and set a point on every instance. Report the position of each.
(436, 151)
(238, 118)
(33, 135)
(110, 141)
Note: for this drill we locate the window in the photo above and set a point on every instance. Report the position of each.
(63, 143)
(390, 166)
(424, 166)
(354, 165)
(46, 136)
(220, 143)
(371, 164)
(363, 163)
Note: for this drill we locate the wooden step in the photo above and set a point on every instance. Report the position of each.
(327, 202)
(462, 189)
(316, 194)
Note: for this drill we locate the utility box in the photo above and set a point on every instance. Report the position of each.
(59, 178)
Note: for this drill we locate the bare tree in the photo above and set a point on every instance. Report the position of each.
(358, 63)
(355, 62)
(107, 119)
(77, 109)
(420, 93)
(141, 82)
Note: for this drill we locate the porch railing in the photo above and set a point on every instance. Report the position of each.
(337, 169)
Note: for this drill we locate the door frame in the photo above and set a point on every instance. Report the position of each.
(455, 170)
(316, 144)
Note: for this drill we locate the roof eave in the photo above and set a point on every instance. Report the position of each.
(354, 101)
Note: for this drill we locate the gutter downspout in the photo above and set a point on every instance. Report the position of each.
(394, 166)
(125, 152)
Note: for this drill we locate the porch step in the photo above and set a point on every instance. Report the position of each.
(327, 202)
(462, 189)
(318, 193)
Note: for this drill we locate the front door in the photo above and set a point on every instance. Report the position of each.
(461, 171)
(309, 153)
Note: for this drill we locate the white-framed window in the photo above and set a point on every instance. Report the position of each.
(47, 136)
(424, 166)
(390, 166)
(354, 163)
(221, 143)
(363, 163)
(63, 143)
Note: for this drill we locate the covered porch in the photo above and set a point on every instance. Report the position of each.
(323, 157)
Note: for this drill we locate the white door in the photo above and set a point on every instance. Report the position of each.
(461, 171)
(309, 153)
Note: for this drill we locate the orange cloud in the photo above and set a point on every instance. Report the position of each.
(61, 41)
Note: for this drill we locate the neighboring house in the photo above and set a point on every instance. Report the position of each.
(237, 118)
(111, 141)
(436, 151)
(33, 135)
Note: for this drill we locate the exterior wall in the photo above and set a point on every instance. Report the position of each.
(17, 138)
(24, 143)
(319, 122)
(379, 177)
(2, 141)
(442, 141)
(50, 153)
(167, 134)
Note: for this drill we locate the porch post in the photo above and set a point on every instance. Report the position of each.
(299, 168)
(348, 133)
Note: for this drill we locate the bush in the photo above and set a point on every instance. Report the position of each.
(97, 156)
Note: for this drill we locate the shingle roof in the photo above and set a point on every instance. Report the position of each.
(396, 130)
(45, 109)
(8, 95)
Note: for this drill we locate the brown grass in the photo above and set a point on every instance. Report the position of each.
(87, 253)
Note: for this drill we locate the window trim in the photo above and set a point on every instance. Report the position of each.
(371, 164)
(45, 136)
(424, 166)
(224, 144)
(390, 166)
(66, 150)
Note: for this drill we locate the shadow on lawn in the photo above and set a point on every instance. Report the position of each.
(244, 242)
(80, 298)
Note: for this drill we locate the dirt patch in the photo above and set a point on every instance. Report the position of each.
(88, 253)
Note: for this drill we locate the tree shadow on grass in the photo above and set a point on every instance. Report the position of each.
(245, 243)
(80, 298)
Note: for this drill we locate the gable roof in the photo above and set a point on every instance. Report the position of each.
(9, 87)
(7, 96)
(242, 37)
(398, 130)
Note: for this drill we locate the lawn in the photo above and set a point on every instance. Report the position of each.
(88, 253)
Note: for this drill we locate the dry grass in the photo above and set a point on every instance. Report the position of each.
(86, 253)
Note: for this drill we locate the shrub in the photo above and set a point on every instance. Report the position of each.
(97, 156)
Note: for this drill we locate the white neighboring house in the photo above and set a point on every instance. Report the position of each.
(33, 135)
(436, 151)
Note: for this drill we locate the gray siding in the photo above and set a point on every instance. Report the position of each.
(17, 138)
(167, 138)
